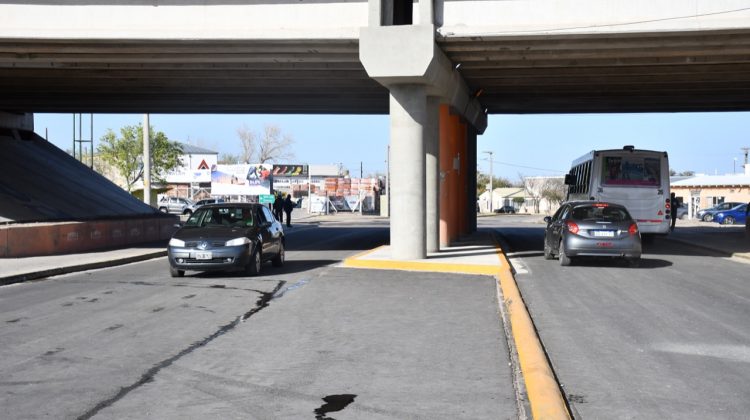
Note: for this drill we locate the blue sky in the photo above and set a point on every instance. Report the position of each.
(521, 144)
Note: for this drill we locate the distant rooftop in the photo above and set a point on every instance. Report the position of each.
(190, 149)
(714, 181)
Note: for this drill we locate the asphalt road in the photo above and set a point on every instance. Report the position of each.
(668, 340)
(309, 340)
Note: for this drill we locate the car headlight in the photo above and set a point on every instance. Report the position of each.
(237, 242)
(177, 242)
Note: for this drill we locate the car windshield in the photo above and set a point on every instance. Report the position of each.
(221, 216)
(600, 212)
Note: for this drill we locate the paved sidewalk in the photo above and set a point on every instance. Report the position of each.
(731, 241)
(16, 270)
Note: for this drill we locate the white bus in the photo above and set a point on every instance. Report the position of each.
(637, 179)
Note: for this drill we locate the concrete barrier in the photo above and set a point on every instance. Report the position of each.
(38, 239)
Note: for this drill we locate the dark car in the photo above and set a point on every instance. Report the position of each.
(707, 215)
(191, 208)
(734, 215)
(227, 236)
(592, 229)
(506, 210)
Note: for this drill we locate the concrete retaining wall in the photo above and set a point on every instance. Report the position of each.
(37, 239)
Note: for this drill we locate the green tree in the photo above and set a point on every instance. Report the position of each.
(483, 180)
(125, 153)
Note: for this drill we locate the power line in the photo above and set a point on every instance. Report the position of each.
(527, 167)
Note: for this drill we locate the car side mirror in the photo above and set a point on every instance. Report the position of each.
(570, 179)
(548, 219)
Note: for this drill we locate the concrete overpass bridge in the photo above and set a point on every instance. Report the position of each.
(438, 67)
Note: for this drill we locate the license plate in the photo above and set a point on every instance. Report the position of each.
(203, 256)
(604, 234)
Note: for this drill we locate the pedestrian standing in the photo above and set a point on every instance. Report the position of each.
(278, 205)
(288, 207)
(673, 204)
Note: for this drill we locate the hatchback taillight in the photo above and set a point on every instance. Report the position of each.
(633, 229)
(572, 227)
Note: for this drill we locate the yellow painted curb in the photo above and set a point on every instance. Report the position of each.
(354, 262)
(357, 261)
(544, 393)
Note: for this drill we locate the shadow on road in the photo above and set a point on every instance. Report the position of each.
(690, 241)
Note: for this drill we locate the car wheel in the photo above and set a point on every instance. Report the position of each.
(547, 251)
(729, 220)
(188, 213)
(253, 267)
(278, 261)
(564, 259)
(634, 262)
(708, 217)
(175, 272)
(163, 209)
(683, 217)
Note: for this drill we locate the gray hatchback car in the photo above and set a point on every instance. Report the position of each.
(592, 229)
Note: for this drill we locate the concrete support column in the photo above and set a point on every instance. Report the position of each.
(408, 108)
(432, 174)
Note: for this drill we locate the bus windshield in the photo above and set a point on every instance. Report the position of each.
(631, 170)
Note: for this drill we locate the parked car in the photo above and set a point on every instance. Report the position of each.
(175, 205)
(592, 229)
(227, 236)
(506, 210)
(707, 215)
(190, 209)
(737, 214)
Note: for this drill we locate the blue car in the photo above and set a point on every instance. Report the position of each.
(736, 214)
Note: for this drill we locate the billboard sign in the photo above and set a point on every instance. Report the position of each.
(242, 179)
(290, 170)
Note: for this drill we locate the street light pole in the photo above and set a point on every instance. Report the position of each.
(146, 160)
(491, 180)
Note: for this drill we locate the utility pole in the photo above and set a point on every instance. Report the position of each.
(146, 160)
(491, 180)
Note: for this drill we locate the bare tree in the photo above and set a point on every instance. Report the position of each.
(274, 146)
(228, 158)
(533, 187)
(553, 190)
(271, 146)
(248, 138)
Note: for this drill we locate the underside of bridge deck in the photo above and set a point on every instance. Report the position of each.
(637, 72)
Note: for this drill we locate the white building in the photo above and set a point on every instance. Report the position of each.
(193, 178)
